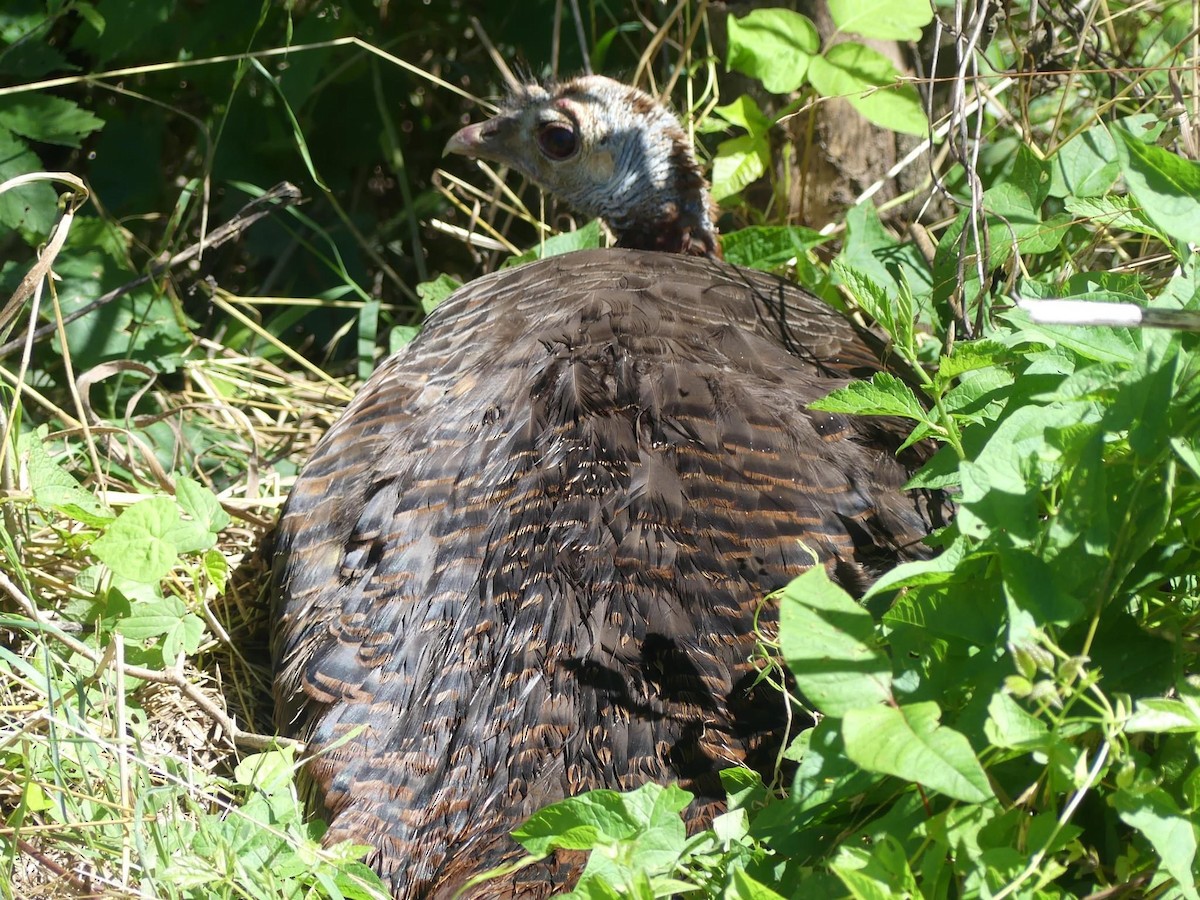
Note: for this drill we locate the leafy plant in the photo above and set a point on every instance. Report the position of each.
(782, 49)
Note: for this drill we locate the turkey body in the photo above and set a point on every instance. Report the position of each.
(528, 559)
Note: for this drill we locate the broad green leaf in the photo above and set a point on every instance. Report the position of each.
(1030, 585)
(205, 510)
(1166, 185)
(824, 774)
(739, 162)
(938, 570)
(136, 546)
(46, 118)
(746, 888)
(601, 817)
(1171, 834)
(201, 504)
(433, 293)
(911, 744)
(270, 771)
(594, 887)
(996, 497)
(1031, 174)
(585, 238)
(980, 395)
(1163, 715)
(145, 325)
(773, 45)
(401, 335)
(883, 395)
(871, 84)
(971, 355)
(1085, 166)
(939, 610)
(165, 617)
(744, 113)
(29, 209)
(53, 487)
(1115, 212)
(878, 873)
(1107, 345)
(889, 20)
(1010, 726)
(183, 638)
(769, 246)
(1013, 216)
(870, 250)
(216, 567)
(827, 641)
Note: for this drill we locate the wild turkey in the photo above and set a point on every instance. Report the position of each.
(527, 560)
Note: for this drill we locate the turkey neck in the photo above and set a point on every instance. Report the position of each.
(659, 198)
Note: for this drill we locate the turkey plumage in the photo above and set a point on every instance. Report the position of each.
(530, 557)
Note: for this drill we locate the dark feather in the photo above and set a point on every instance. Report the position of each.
(527, 560)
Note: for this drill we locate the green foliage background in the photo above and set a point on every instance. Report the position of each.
(1016, 717)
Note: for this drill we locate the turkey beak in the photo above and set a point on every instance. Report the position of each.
(478, 140)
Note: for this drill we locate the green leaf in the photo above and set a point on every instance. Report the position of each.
(1030, 585)
(55, 488)
(972, 355)
(202, 505)
(1166, 185)
(269, 772)
(871, 251)
(826, 639)
(433, 293)
(909, 743)
(29, 209)
(739, 162)
(1031, 174)
(165, 617)
(769, 246)
(746, 888)
(46, 118)
(1115, 345)
(91, 15)
(871, 84)
(137, 544)
(1161, 715)
(1015, 216)
(368, 333)
(216, 568)
(889, 20)
(585, 238)
(402, 335)
(1010, 726)
(744, 113)
(879, 873)
(602, 817)
(773, 45)
(1085, 166)
(883, 395)
(1171, 834)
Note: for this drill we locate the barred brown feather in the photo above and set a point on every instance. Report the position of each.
(527, 561)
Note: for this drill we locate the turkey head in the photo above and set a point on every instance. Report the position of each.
(608, 150)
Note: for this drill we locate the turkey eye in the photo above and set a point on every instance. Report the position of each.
(556, 140)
